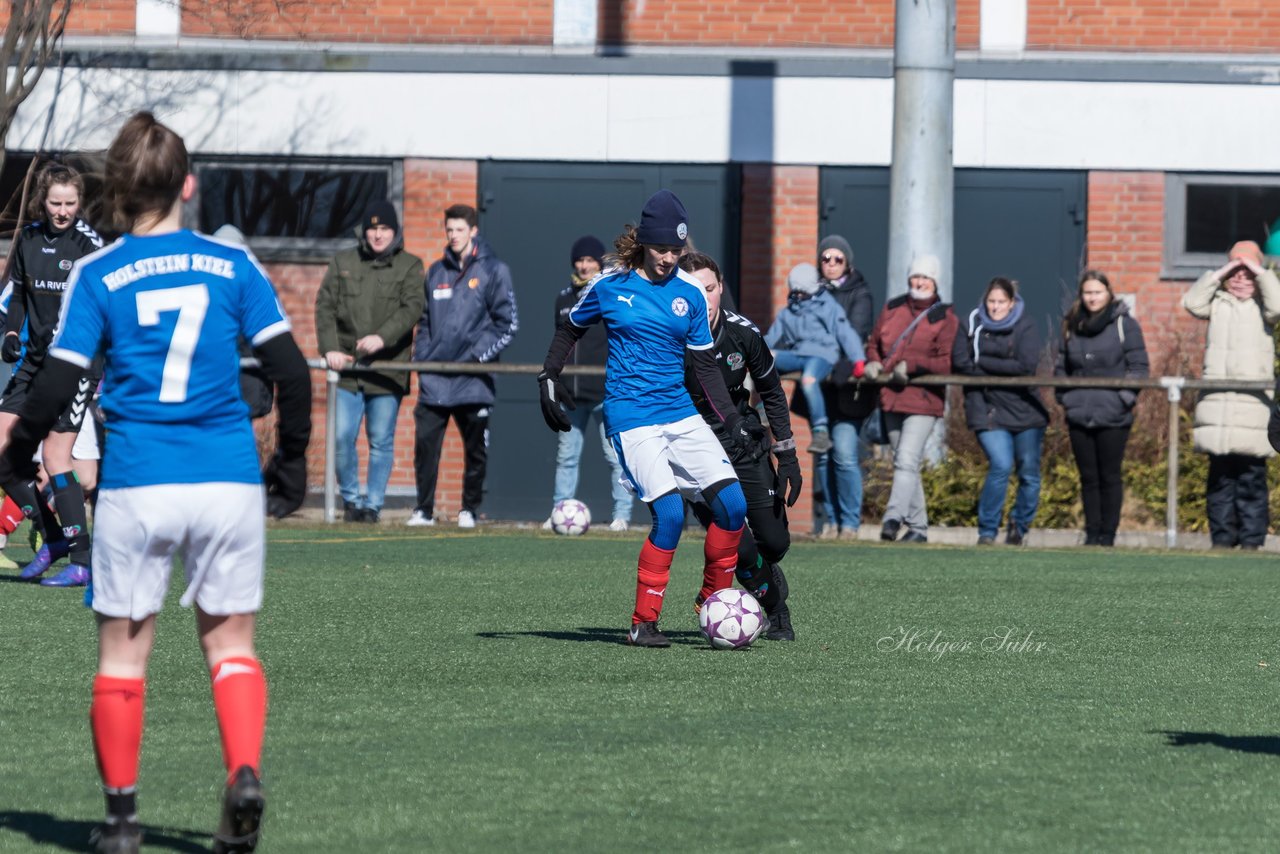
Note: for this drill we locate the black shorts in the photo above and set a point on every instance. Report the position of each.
(15, 396)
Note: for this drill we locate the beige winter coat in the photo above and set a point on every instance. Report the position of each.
(1239, 347)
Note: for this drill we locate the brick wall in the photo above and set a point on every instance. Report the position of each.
(1126, 241)
(1210, 26)
(779, 230)
(94, 17)
(764, 23)
(499, 22)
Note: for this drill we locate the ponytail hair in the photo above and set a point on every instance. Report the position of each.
(628, 251)
(147, 164)
(54, 173)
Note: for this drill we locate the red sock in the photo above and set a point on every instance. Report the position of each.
(651, 582)
(240, 701)
(721, 553)
(116, 720)
(10, 516)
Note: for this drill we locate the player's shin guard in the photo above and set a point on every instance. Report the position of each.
(116, 720)
(721, 557)
(10, 516)
(652, 576)
(68, 497)
(240, 701)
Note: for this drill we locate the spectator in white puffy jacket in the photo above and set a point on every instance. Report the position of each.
(1241, 301)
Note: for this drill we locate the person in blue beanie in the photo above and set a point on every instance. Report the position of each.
(810, 335)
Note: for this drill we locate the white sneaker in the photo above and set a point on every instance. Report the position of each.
(618, 525)
(418, 518)
(466, 519)
(546, 526)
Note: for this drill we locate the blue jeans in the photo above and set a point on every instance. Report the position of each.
(379, 412)
(841, 474)
(1007, 451)
(569, 453)
(814, 370)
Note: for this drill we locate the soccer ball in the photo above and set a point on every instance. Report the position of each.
(731, 619)
(570, 517)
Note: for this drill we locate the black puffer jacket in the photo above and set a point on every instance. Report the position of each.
(1108, 344)
(1014, 352)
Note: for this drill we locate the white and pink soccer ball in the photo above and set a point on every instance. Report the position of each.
(570, 517)
(731, 619)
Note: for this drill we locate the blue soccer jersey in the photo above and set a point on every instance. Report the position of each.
(650, 326)
(167, 311)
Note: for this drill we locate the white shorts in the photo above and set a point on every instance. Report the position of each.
(684, 455)
(217, 529)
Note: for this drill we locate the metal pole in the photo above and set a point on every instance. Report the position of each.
(921, 179)
(1173, 385)
(330, 448)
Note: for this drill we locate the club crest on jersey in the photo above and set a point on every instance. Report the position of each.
(64, 264)
(680, 306)
(735, 361)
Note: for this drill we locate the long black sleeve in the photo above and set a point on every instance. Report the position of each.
(707, 374)
(562, 343)
(284, 365)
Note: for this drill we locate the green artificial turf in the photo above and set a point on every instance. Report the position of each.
(461, 692)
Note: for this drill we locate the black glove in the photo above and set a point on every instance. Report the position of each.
(789, 473)
(286, 481)
(744, 441)
(11, 349)
(552, 393)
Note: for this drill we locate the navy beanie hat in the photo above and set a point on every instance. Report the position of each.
(663, 222)
(587, 247)
(381, 212)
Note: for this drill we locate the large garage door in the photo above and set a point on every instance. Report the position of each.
(1024, 225)
(531, 213)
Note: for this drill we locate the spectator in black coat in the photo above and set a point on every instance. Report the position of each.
(1100, 339)
(1002, 340)
(838, 473)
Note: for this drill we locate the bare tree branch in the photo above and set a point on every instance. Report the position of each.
(31, 38)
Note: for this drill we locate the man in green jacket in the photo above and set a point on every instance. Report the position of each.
(368, 304)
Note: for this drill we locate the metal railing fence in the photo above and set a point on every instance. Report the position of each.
(1172, 386)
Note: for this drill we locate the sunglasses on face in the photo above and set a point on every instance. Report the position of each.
(832, 259)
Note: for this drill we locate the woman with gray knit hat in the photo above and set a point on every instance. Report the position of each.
(810, 335)
(913, 336)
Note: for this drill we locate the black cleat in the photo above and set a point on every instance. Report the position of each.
(242, 807)
(116, 837)
(780, 625)
(647, 634)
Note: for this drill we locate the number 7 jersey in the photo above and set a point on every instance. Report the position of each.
(167, 311)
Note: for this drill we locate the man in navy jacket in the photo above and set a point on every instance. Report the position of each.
(469, 316)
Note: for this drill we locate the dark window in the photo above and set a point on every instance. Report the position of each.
(1206, 214)
(1220, 214)
(298, 201)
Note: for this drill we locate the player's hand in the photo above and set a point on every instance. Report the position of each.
(744, 441)
(789, 474)
(11, 349)
(285, 479)
(552, 393)
(872, 370)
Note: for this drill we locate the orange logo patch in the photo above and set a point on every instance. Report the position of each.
(473, 284)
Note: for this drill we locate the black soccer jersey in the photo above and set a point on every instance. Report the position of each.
(741, 352)
(41, 264)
